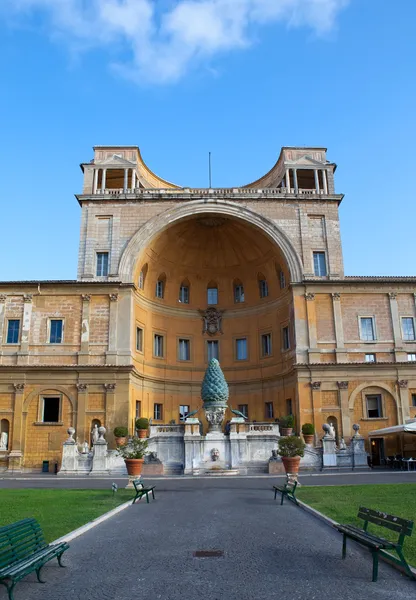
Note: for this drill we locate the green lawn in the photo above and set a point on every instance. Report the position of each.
(58, 511)
(341, 503)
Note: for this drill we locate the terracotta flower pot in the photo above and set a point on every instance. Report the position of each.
(134, 465)
(309, 438)
(142, 433)
(291, 463)
(121, 441)
(286, 431)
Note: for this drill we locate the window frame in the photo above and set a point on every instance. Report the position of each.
(102, 253)
(49, 329)
(262, 335)
(379, 408)
(289, 403)
(239, 294)
(184, 287)
(404, 338)
(41, 409)
(184, 339)
(162, 336)
(263, 288)
(211, 289)
(160, 405)
(236, 340)
(413, 400)
(19, 332)
(267, 405)
(360, 329)
(215, 343)
(183, 419)
(138, 409)
(320, 253)
(286, 338)
(370, 354)
(409, 354)
(160, 284)
(282, 279)
(140, 328)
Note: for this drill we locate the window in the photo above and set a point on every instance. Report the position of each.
(13, 328)
(243, 408)
(212, 346)
(286, 338)
(408, 329)
(374, 406)
(282, 279)
(50, 412)
(241, 349)
(367, 329)
(212, 295)
(413, 400)
(138, 409)
(102, 264)
(184, 349)
(183, 412)
(160, 288)
(56, 331)
(319, 264)
(269, 410)
(139, 339)
(158, 345)
(266, 344)
(158, 412)
(289, 410)
(184, 294)
(263, 288)
(142, 276)
(411, 357)
(370, 358)
(238, 292)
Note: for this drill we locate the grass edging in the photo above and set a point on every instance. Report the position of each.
(330, 522)
(84, 528)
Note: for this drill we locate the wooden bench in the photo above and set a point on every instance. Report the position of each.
(142, 489)
(288, 490)
(23, 550)
(378, 545)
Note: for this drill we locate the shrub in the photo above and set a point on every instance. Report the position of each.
(287, 422)
(121, 431)
(308, 429)
(291, 446)
(142, 423)
(135, 448)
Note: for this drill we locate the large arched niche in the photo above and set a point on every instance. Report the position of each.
(214, 209)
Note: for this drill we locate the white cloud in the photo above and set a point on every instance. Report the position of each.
(166, 38)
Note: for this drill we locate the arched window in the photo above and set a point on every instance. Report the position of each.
(238, 291)
(263, 286)
(212, 293)
(142, 276)
(160, 286)
(184, 292)
(4, 434)
(281, 275)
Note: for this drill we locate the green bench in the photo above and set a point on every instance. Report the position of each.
(378, 545)
(143, 490)
(288, 490)
(23, 550)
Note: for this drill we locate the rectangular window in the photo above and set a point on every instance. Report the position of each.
(408, 329)
(286, 338)
(13, 329)
(184, 349)
(213, 350)
(56, 330)
(411, 357)
(374, 406)
(269, 410)
(413, 400)
(266, 344)
(367, 329)
(282, 279)
(158, 412)
(289, 410)
(319, 264)
(183, 412)
(243, 408)
(158, 345)
(212, 295)
(139, 339)
(102, 264)
(241, 349)
(51, 408)
(238, 293)
(370, 358)
(264, 288)
(159, 288)
(184, 294)
(138, 409)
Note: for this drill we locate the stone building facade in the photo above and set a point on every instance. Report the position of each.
(170, 276)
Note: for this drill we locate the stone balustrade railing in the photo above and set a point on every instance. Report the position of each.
(281, 191)
(156, 430)
(266, 428)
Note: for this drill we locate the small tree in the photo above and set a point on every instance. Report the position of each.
(287, 422)
(120, 432)
(308, 429)
(291, 446)
(142, 423)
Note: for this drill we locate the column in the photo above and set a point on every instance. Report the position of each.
(126, 179)
(103, 180)
(403, 411)
(95, 182)
(399, 353)
(316, 401)
(315, 172)
(314, 353)
(81, 417)
(85, 330)
(340, 351)
(27, 317)
(133, 179)
(325, 182)
(110, 405)
(288, 180)
(3, 298)
(16, 454)
(345, 409)
(295, 180)
(111, 354)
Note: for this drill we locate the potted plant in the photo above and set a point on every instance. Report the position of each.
(308, 431)
(286, 425)
(291, 448)
(133, 453)
(120, 435)
(142, 425)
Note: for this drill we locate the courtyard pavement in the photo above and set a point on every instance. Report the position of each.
(268, 550)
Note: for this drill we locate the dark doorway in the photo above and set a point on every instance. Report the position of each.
(377, 451)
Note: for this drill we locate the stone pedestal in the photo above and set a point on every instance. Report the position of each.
(15, 461)
(100, 455)
(329, 458)
(358, 451)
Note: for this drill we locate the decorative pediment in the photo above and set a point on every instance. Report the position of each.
(116, 161)
(305, 161)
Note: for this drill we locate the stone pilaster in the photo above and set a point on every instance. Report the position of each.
(3, 299)
(316, 401)
(83, 434)
(345, 409)
(16, 454)
(314, 353)
(110, 405)
(340, 351)
(399, 353)
(83, 354)
(111, 354)
(23, 354)
(403, 409)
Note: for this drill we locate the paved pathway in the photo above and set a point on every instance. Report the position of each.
(269, 550)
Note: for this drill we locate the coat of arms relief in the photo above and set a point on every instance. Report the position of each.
(212, 320)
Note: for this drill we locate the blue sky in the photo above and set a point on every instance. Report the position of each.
(239, 78)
